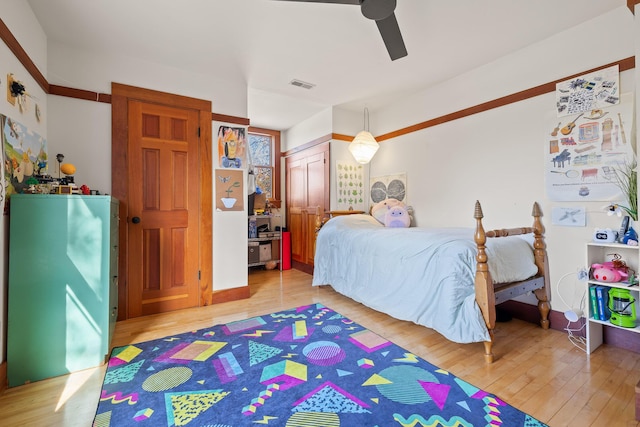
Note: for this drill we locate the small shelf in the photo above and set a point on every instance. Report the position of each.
(612, 245)
(620, 285)
(265, 249)
(263, 239)
(597, 253)
(607, 323)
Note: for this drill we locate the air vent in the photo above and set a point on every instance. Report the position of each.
(300, 83)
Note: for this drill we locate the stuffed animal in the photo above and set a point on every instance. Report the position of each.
(397, 216)
(379, 210)
(608, 272)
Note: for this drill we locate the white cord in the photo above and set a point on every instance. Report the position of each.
(577, 340)
(558, 288)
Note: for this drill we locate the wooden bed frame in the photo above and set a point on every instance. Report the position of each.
(489, 295)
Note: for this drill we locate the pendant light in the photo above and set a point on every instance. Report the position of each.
(364, 145)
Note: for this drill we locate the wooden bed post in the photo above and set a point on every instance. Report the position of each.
(485, 296)
(540, 256)
(318, 220)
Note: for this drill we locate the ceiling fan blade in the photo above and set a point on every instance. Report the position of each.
(390, 32)
(329, 1)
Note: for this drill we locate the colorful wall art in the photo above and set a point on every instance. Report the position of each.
(583, 153)
(232, 147)
(25, 155)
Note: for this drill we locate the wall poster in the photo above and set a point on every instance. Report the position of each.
(593, 91)
(350, 185)
(229, 190)
(25, 155)
(232, 147)
(582, 154)
(389, 187)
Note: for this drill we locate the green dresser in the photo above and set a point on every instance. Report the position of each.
(63, 284)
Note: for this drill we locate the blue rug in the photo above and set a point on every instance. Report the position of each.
(304, 367)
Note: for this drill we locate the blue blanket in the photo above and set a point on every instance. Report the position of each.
(423, 275)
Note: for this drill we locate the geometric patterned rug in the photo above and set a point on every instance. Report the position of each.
(305, 367)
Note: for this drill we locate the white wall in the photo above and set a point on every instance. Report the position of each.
(230, 231)
(17, 15)
(81, 138)
(317, 126)
(539, 63)
(497, 156)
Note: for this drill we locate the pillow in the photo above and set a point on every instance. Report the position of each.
(379, 210)
(397, 216)
(511, 258)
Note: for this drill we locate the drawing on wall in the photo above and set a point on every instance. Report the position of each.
(584, 153)
(229, 190)
(350, 183)
(388, 187)
(25, 155)
(569, 217)
(232, 147)
(593, 91)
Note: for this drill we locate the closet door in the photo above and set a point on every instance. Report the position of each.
(307, 175)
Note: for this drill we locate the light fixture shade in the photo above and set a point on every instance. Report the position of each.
(363, 147)
(573, 315)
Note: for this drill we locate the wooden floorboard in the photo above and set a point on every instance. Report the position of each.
(538, 371)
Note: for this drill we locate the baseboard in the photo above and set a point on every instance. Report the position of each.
(3, 376)
(233, 294)
(306, 268)
(614, 337)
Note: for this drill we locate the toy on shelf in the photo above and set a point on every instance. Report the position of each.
(622, 307)
(613, 271)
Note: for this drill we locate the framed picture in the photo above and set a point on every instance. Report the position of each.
(264, 179)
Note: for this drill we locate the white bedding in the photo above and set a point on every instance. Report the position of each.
(424, 275)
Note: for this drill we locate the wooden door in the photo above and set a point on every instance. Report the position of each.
(163, 136)
(296, 206)
(163, 208)
(317, 192)
(307, 175)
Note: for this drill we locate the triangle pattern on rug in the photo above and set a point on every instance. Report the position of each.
(304, 367)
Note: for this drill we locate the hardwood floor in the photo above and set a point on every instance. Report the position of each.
(539, 372)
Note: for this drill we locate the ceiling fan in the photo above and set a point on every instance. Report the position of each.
(381, 11)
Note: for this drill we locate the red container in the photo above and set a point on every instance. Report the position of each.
(286, 250)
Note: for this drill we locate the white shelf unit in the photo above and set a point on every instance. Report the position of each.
(598, 253)
(273, 236)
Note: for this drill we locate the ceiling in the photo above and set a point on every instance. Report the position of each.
(267, 43)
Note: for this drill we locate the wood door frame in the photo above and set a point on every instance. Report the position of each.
(120, 96)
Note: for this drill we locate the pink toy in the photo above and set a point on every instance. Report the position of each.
(610, 271)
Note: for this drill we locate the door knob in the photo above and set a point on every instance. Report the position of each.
(135, 220)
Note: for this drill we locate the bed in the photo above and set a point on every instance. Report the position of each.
(447, 279)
